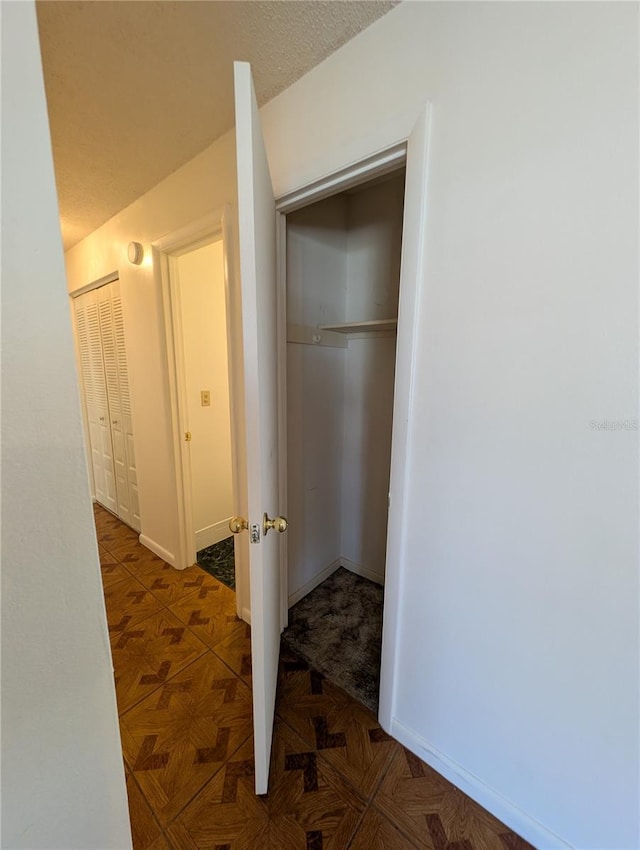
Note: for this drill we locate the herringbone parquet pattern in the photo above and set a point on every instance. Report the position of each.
(182, 664)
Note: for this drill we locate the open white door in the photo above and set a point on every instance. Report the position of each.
(257, 232)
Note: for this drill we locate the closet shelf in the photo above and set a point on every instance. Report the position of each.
(337, 336)
(362, 327)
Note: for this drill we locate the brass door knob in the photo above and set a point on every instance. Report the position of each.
(238, 524)
(279, 524)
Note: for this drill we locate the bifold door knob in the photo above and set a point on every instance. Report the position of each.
(238, 524)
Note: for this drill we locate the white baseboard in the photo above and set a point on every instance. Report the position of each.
(158, 550)
(517, 820)
(211, 534)
(359, 570)
(298, 594)
(246, 615)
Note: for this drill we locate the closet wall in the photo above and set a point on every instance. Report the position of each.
(105, 379)
(343, 269)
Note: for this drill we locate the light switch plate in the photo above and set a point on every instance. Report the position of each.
(205, 398)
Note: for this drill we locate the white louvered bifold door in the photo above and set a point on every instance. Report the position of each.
(95, 392)
(110, 355)
(105, 377)
(125, 406)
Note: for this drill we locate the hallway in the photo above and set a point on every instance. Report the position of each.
(182, 663)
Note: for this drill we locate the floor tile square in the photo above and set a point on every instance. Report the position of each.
(160, 843)
(235, 651)
(310, 804)
(304, 689)
(153, 570)
(103, 517)
(113, 573)
(210, 612)
(345, 732)
(112, 533)
(106, 557)
(377, 833)
(128, 602)
(309, 807)
(298, 682)
(175, 585)
(175, 740)
(226, 813)
(144, 827)
(134, 555)
(148, 654)
(436, 814)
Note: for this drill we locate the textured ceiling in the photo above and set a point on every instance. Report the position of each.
(136, 89)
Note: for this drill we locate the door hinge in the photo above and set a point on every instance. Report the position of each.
(187, 436)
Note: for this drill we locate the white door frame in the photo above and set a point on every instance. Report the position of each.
(210, 228)
(413, 153)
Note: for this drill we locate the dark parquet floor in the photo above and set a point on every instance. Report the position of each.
(182, 664)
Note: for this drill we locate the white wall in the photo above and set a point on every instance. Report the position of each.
(374, 244)
(63, 781)
(204, 340)
(367, 424)
(316, 294)
(518, 654)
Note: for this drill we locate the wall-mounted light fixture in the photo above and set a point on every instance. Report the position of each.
(135, 252)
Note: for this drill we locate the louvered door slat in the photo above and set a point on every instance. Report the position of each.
(121, 353)
(109, 353)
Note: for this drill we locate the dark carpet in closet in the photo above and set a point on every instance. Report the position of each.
(337, 628)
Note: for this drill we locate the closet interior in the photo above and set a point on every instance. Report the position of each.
(343, 275)
(105, 381)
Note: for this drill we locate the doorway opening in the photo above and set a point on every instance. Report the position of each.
(193, 266)
(199, 316)
(343, 256)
